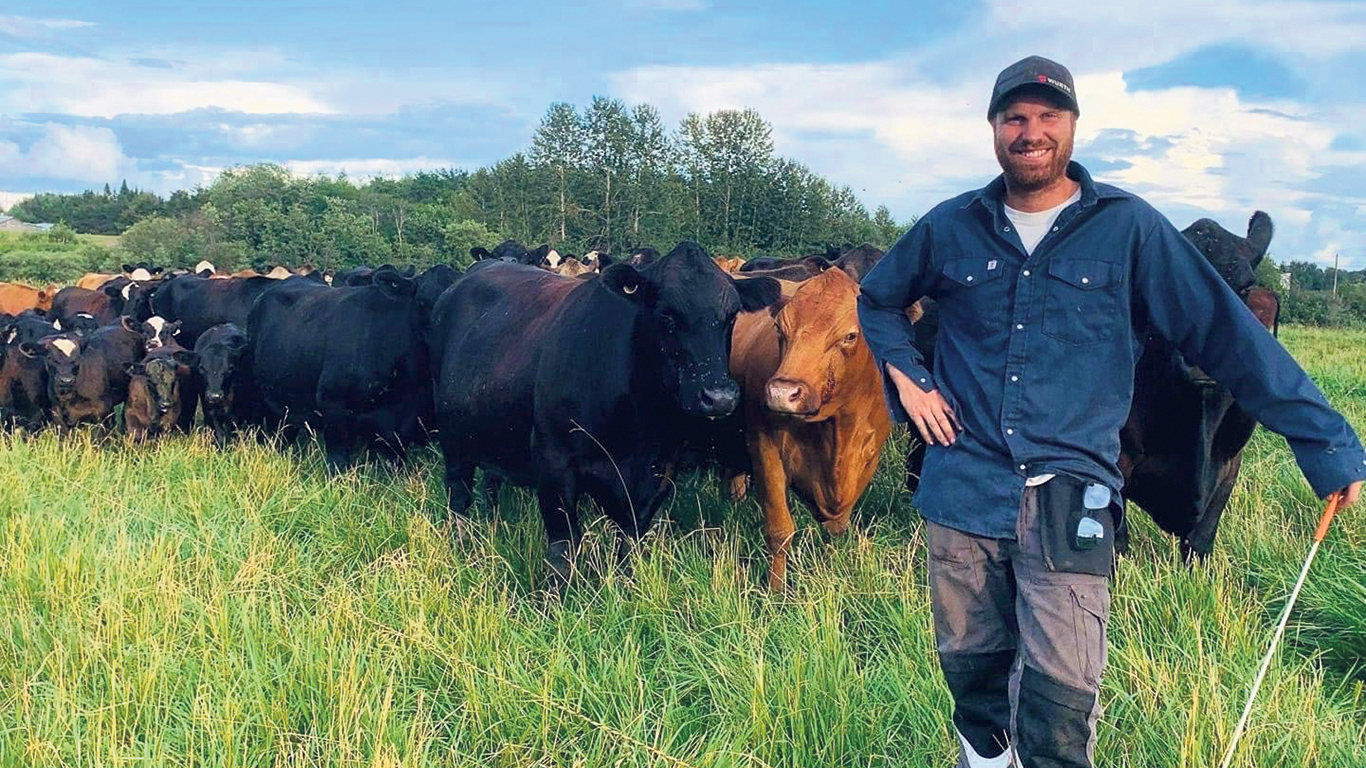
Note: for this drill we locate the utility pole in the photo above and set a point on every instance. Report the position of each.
(1335, 274)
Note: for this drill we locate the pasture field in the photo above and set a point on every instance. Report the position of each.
(177, 605)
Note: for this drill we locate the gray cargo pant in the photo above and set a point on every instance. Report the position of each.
(1009, 631)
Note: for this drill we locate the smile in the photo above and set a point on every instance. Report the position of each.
(1033, 154)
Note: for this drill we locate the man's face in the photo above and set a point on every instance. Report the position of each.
(1033, 141)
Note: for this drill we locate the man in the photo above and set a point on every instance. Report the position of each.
(1046, 283)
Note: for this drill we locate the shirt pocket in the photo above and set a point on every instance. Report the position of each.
(1082, 302)
(972, 297)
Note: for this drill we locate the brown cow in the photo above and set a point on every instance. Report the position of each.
(92, 281)
(15, 298)
(156, 389)
(729, 264)
(814, 416)
(571, 267)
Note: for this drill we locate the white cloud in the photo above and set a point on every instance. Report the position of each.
(72, 153)
(92, 87)
(24, 26)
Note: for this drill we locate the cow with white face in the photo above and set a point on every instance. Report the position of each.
(156, 332)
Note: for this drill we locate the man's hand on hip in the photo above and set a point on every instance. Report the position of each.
(1346, 497)
(929, 411)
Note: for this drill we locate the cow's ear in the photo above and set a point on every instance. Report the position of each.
(130, 325)
(393, 284)
(757, 292)
(186, 358)
(29, 349)
(237, 343)
(174, 328)
(134, 369)
(604, 260)
(623, 279)
(157, 270)
(113, 291)
(128, 267)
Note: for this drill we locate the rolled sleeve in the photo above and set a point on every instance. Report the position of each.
(898, 281)
(1189, 304)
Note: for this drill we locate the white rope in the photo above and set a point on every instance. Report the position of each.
(1266, 662)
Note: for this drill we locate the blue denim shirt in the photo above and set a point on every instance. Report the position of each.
(1036, 353)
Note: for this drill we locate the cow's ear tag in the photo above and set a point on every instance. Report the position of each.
(630, 289)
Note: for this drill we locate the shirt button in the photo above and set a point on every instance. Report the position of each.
(1055, 229)
(1007, 229)
(1026, 273)
(1010, 431)
(1084, 280)
(922, 381)
(1017, 378)
(1022, 467)
(1019, 327)
(969, 278)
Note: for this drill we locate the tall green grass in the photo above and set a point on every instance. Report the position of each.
(176, 605)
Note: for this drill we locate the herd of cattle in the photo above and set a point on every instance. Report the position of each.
(572, 375)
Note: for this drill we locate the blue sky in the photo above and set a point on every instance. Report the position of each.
(1204, 109)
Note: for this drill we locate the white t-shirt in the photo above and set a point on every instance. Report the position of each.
(1032, 226)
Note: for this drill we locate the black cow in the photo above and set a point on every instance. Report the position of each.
(429, 287)
(1181, 446)
(857, 262)
(794, 270)
(349, 361)
(815, 264)
(155, 331)
(23, 375)
(531, 388)
(221, 373)
(104, 304)
(643, 257)
(199, 303)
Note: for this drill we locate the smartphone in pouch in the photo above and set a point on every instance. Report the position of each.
(1077, 526)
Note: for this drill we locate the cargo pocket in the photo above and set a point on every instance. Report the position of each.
(1090, 615)
(1082, 305)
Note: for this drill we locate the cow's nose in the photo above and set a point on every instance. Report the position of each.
(66, 381)
(719, 401)
(787, 396)
(164, 407)
(213, 398)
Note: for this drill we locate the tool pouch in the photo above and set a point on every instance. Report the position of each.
(1077, 526)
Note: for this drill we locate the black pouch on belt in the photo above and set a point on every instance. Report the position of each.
(1077, 526)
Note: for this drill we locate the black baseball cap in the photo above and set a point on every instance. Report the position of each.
(1038, 72)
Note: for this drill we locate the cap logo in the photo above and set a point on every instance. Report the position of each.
(1043, 78)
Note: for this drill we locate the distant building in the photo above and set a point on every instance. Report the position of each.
(11, 224)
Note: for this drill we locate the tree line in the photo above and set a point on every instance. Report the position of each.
(606, 176)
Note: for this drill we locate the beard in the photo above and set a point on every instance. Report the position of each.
(1022, 176)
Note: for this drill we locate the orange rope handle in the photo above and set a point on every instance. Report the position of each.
(1327, 519)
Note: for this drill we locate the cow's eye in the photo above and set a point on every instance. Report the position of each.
(851, 337)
